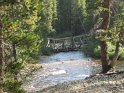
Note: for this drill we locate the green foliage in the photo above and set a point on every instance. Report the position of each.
(47, 50)
(92, 49)
(66, 34)
(14, 67)
(13, 86)
(28, 23)
(71, 16)
(121, 55)
(111, 50)
(48, 16)
(92, 14)
(20, 25)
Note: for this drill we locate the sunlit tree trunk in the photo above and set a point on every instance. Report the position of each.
(104, 47)
(116, 54)
(1, 57)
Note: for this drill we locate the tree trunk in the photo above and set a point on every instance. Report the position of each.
(15, 58)
(1, 57)
(116, 54)
(104, 47)
(104, 57)
(14, 52)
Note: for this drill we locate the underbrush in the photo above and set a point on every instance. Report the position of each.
(29, 69)
(65, 34)
(93, 50)
(47, 51)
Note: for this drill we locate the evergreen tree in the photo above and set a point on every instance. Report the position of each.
(111, 31)
(71, 16)
(22, 43)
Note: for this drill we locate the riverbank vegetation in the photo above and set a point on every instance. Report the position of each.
(25, 26)
(93, 50)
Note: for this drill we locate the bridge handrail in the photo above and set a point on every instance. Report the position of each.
(59, 38)
(68, 37)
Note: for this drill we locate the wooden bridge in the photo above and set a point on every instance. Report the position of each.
(68, 43)
(72, 43)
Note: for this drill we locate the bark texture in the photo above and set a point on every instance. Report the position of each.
(105, 26)
(116, 54)
(1, 58)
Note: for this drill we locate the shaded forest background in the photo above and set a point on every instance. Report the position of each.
(25, 26)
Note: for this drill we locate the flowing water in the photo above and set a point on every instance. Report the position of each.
(59, 68)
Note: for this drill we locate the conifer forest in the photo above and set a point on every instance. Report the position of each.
(61, 46)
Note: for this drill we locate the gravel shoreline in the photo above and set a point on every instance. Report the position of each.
(109, 83)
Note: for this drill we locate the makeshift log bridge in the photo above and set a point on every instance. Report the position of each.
(68, 43)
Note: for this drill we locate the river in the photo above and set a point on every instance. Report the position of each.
(59, 68)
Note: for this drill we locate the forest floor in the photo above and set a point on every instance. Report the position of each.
(29, 69)
(108, 83)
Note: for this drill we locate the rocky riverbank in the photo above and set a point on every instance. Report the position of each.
(67, 72)
(109, 83)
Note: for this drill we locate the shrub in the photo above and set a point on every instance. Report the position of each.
(47, 51)
(121, 55)
(13, 86)
(111, 49)
(93, 50)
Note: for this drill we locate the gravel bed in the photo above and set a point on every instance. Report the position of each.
(108, 83)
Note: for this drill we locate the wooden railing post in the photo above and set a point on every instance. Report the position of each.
(63, 44)
(73, 43)
(48, 42)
